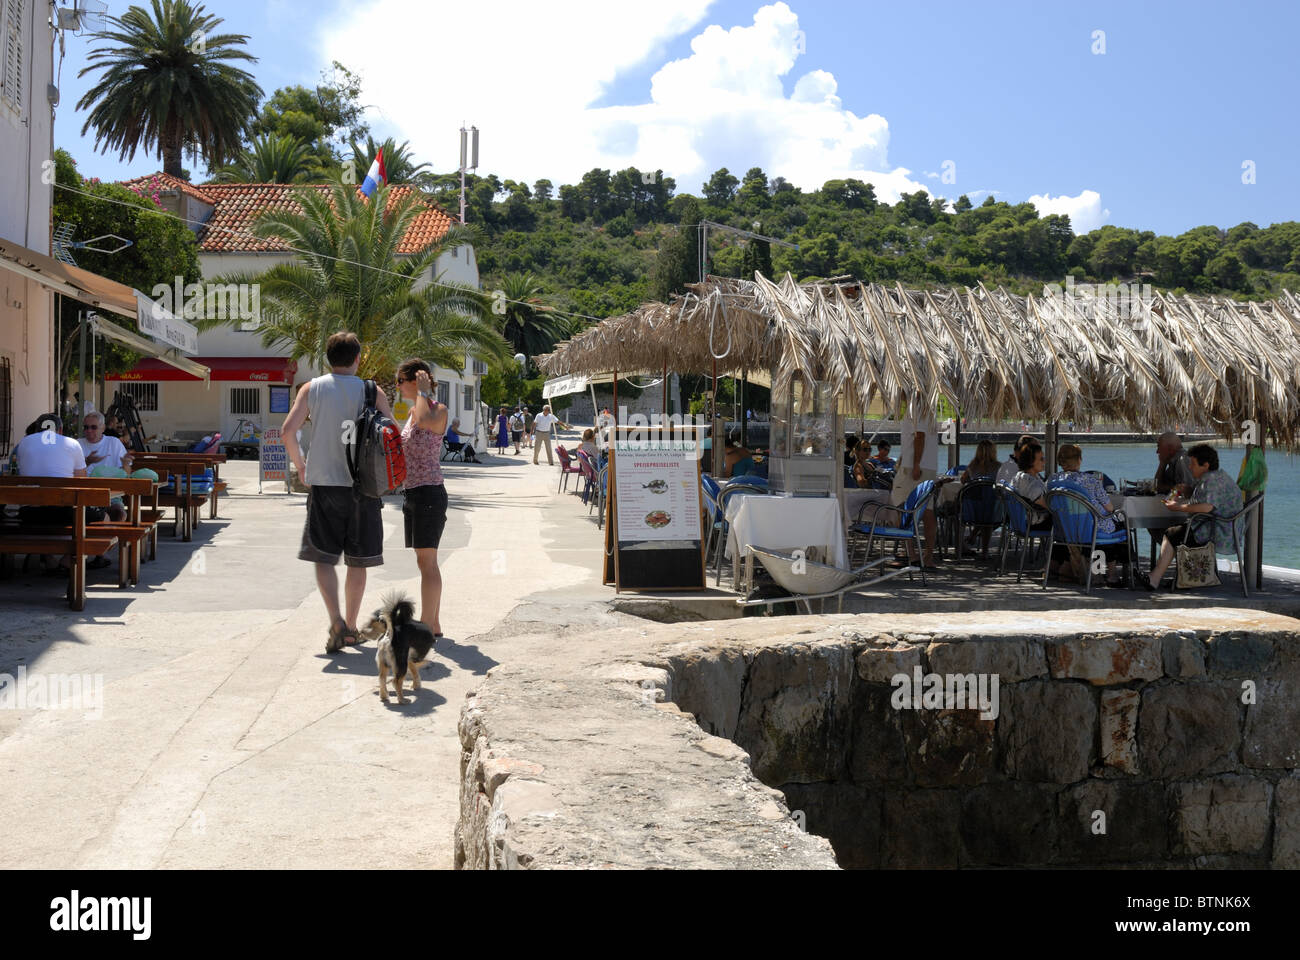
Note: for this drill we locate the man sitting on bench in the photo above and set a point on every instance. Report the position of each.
(45, 452)
(105, 452)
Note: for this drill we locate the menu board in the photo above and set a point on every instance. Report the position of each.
(274, 459)
(655, 535)
(658, 494)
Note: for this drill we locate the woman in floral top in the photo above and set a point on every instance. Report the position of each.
(1070, 457)
(1215, 492)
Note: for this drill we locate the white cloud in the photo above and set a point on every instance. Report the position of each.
(1085, 210)
(529, 85)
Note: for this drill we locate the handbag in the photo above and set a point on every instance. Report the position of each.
(1197, 567)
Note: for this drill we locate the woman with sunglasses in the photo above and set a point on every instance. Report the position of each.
(424, 509)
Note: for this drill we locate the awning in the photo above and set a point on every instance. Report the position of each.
(563, 386)
(230, 369)
(177, 366)
(98, 292)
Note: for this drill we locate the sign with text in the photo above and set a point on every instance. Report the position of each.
(655, 534)
(155, 320)
(274, 459)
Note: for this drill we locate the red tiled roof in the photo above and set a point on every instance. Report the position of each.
(239, 204)
(167, 182)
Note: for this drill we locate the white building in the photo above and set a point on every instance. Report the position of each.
(249, 381)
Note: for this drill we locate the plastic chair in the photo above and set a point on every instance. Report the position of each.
(567, 466)
(909, 528)
(1237, 521)
(1021, 515)
(588, 471)
(603, 492)
(1075, 519)
(979, 506)
(724, 497)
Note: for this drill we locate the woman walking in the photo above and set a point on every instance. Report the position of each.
(424, 510)
(503, 434)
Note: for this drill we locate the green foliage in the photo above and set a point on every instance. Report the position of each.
(272, 159)
(168, 86)
(161, 250)
(399, 166)
(328, 118)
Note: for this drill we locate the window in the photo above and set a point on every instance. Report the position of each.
(480, 367)
(12, 65)
(444, 392)
(245, 400)
(145, 395)
(467, 399)
(6, 406)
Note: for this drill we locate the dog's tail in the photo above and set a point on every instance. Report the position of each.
(399, 608)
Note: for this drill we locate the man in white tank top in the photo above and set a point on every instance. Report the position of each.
(340, 522)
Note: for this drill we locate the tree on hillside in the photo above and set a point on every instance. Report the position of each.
(542, 190)
(678, 261)
(327, 118)
(757, 258)
(167, 86)
(720, 188)
(348, 276)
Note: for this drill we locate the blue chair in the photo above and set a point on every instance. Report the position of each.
(979, 506)
(956, 471)
(1022, 514)
(1238, 521)
(909, 528)
(1075, 519)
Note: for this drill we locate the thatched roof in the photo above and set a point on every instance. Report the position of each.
(1206, 360)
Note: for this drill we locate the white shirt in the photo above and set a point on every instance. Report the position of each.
(48, 454)
(908, 428)
(110, 448)
(542, 423)
(1007, 472)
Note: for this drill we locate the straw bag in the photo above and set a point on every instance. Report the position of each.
(1197, 567)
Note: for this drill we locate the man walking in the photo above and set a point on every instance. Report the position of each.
(542, 427)
(339, 520)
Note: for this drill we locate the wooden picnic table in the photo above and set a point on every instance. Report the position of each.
(181, 467)
(213, 460)
(76, 541)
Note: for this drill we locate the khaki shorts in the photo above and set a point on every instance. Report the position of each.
(904, 484)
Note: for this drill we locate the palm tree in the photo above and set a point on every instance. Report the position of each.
(167, 87)
(348, 276)
(525, 319)
(399, 165)
(274, 160)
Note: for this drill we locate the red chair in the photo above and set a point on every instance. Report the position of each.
(567, 466)
(589, 473)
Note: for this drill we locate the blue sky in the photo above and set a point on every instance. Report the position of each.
(1005, 97)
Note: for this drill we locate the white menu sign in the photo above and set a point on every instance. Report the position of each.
(657, 490)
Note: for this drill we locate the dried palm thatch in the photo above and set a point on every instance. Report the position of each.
(1148, 364)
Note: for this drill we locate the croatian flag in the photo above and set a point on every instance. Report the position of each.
(376, 176)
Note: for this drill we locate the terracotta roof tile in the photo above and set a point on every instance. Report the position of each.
(167, 181)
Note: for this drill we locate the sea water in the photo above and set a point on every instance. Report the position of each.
(1137, 461)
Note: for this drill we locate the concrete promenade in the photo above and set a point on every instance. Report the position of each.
(227, 738)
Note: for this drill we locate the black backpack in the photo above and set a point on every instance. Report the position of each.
(375, 456)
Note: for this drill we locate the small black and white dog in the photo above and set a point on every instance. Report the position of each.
(404, 643)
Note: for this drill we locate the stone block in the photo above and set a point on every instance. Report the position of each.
(879, 664)
(1106, 661)
(1286, 824)
(1225, 814)
(1272, 735)
(949, 747)
(707, 683)
(1119, 710)
(877, 750)
(1188, 730)
(1184, 654)
(1046, 731)
(1239, 655)
(1012, 658)
(1009, 824)
(921, 829)
(848, 816)
(795, 720)
(1133, 817)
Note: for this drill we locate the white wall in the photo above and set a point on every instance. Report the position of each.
(26, 308)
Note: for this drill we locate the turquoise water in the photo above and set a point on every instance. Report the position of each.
(1122, 461)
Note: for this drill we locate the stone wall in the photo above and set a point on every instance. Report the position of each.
(1146, 747)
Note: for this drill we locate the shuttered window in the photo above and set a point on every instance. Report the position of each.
(245, 400)
(145, 395)
(13, 54)
(444, 392)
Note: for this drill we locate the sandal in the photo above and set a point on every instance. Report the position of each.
(354, 634)
(338, 630)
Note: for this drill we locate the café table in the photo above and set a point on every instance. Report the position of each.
(787, 524)
(1146, 512)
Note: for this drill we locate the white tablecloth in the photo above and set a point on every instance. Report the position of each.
(786, 524)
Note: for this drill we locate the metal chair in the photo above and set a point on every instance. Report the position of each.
(567, 466)
(588, 471)
(979, 506)
(598, 501)
(1237, 522)
(724, 497)
(909, 529)
(1021, 515)
(1075, 519)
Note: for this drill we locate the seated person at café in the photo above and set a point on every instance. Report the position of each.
(589, 444)
(736, 456)
(851, 441)
(863, 465)
(1214, 491)
(1007, 472)
(882, 460)
(105, 452)
(984, 465)
(1029, 484)
(453, 436)
(1070, 457)
(1174, 474)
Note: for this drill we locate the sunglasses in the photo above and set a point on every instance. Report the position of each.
(91, 426)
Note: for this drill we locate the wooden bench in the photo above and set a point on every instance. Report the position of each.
(76, 541)
(213, 460)
(130, 532)
(180, 467)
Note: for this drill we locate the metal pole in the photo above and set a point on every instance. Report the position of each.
(1053, 429)
(744, 418)
(954, 450)
(81, 372)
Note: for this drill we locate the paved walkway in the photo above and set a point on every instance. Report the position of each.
(227, 738)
